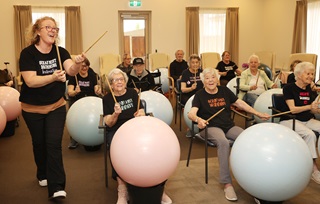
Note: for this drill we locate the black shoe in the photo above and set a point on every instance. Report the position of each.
(92, 148)
(73, 144)
(59, 195)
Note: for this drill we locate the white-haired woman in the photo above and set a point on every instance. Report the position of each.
(208, 101)
(253, 81)
(301, 100)
(117, 113)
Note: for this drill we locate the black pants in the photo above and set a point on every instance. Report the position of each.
(46, 131)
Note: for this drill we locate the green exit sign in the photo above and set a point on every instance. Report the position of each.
(135, 3)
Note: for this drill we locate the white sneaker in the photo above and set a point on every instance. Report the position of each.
(316, 177)
(59, 194)
(230, 194)
(43, 183)
(165, 199)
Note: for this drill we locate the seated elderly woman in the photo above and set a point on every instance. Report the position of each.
(301, 100)
(207, 102)
(227, 68)
(253, 81)
(117, 111)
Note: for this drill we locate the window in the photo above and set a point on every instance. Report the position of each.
(313, 30)
(58, 13)
(212, 27)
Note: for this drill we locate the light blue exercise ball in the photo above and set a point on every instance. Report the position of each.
(158, 105)
(83, 120)
(186, 110)
(263, 102)
(232, 85)
(271, 162)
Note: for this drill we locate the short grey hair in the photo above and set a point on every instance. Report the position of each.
(254, 56)
(117, 71)
(301, 67)
(210, 70)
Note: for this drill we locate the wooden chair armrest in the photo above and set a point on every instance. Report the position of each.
(101, 122)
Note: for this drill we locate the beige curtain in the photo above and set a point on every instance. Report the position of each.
(73, 30)
(232, 33)
(192, 25)
(22, 19)
(299, 40)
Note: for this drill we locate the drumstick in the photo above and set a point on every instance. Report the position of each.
(95, 42)
(134, 84)
(139, 100)
(214, 115)
(114, 98)
(75, 76)
(258, 77)
(98, 82)
(278, 114)
(59, 60)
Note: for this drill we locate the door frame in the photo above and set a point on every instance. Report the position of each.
(129, 14)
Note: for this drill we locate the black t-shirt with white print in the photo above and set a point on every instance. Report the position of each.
(31, 59)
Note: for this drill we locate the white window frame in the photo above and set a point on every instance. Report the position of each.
(212, 26)
(313, 30)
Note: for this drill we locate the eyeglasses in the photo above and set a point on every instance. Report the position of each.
(49, 28)
(118, 80)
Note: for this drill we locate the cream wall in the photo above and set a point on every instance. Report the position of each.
(264, 25)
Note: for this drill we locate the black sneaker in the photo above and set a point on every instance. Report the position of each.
(92, 148)
(73, 144)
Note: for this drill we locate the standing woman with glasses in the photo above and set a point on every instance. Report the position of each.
(43, 72)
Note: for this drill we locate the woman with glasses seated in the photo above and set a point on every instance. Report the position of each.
(118, 112)
(85, 83)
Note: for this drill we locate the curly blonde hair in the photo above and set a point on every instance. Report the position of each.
(32, 36)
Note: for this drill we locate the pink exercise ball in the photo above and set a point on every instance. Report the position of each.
(3, 120)
(145, 151)
(9, 101)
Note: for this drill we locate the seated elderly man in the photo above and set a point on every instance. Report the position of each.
(178, 65)
(139, 77)
(126, 65)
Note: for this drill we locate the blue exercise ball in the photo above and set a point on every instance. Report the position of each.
(83, 120)
(263, 102)
(186, 110)
(271, 162)
(158, 105)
